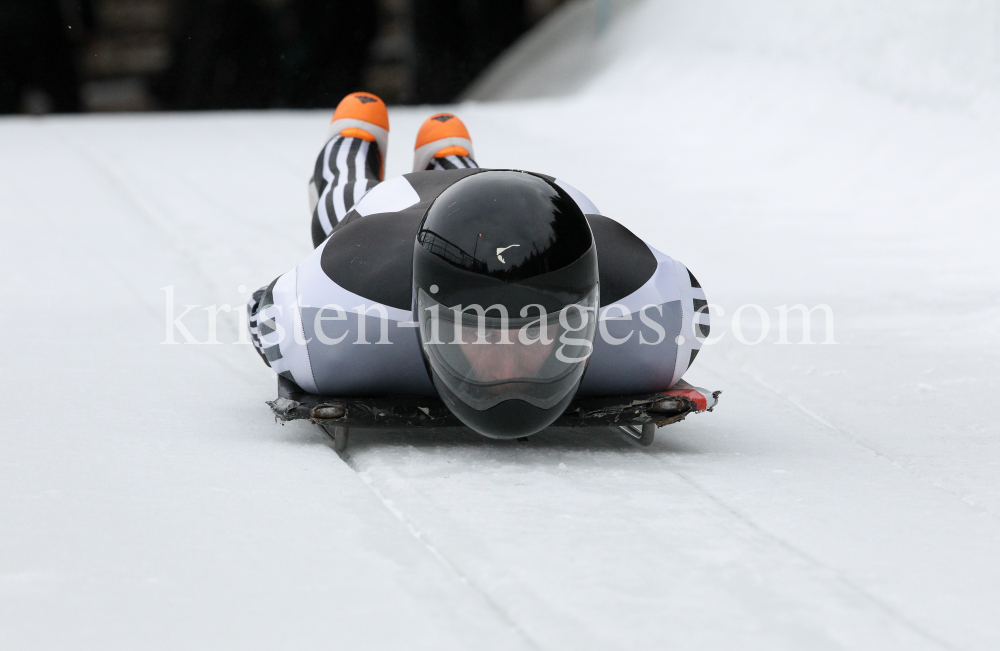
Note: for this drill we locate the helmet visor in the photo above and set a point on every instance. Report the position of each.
(486, 356)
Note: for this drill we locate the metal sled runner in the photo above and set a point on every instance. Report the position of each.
(635, 417)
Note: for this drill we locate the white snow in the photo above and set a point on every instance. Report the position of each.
(841, 496)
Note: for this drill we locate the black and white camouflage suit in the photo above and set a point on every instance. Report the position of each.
(341, 322)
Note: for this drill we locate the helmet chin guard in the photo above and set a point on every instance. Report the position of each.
(505, 275)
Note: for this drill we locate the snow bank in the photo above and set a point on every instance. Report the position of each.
(923, 50)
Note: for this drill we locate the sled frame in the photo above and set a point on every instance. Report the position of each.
(637, 416)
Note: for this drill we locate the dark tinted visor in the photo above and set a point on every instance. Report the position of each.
(486, 356)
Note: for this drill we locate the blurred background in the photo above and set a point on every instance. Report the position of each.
(63, 56)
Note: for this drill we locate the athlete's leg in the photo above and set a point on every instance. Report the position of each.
(443, 143)
(351, 163)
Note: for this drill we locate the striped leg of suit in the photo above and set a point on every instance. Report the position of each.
(260, 325)
(345, 170)
(452, 162)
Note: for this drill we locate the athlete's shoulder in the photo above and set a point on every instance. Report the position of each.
(583, 201)
(624, 261)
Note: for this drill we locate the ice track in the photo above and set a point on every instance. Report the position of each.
(840, 497)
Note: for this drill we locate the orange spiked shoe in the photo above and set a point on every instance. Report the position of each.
(362, 115)
(440, 135)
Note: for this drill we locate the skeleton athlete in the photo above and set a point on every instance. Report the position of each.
(504, 292)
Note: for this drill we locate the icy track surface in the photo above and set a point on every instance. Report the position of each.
(841, 497)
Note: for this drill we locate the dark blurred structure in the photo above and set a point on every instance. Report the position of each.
(280, 53)
(129, 45)
(135, 55)
(38, 63)
(428, 51)
(455, 39)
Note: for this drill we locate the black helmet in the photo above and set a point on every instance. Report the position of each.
(505, 275)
